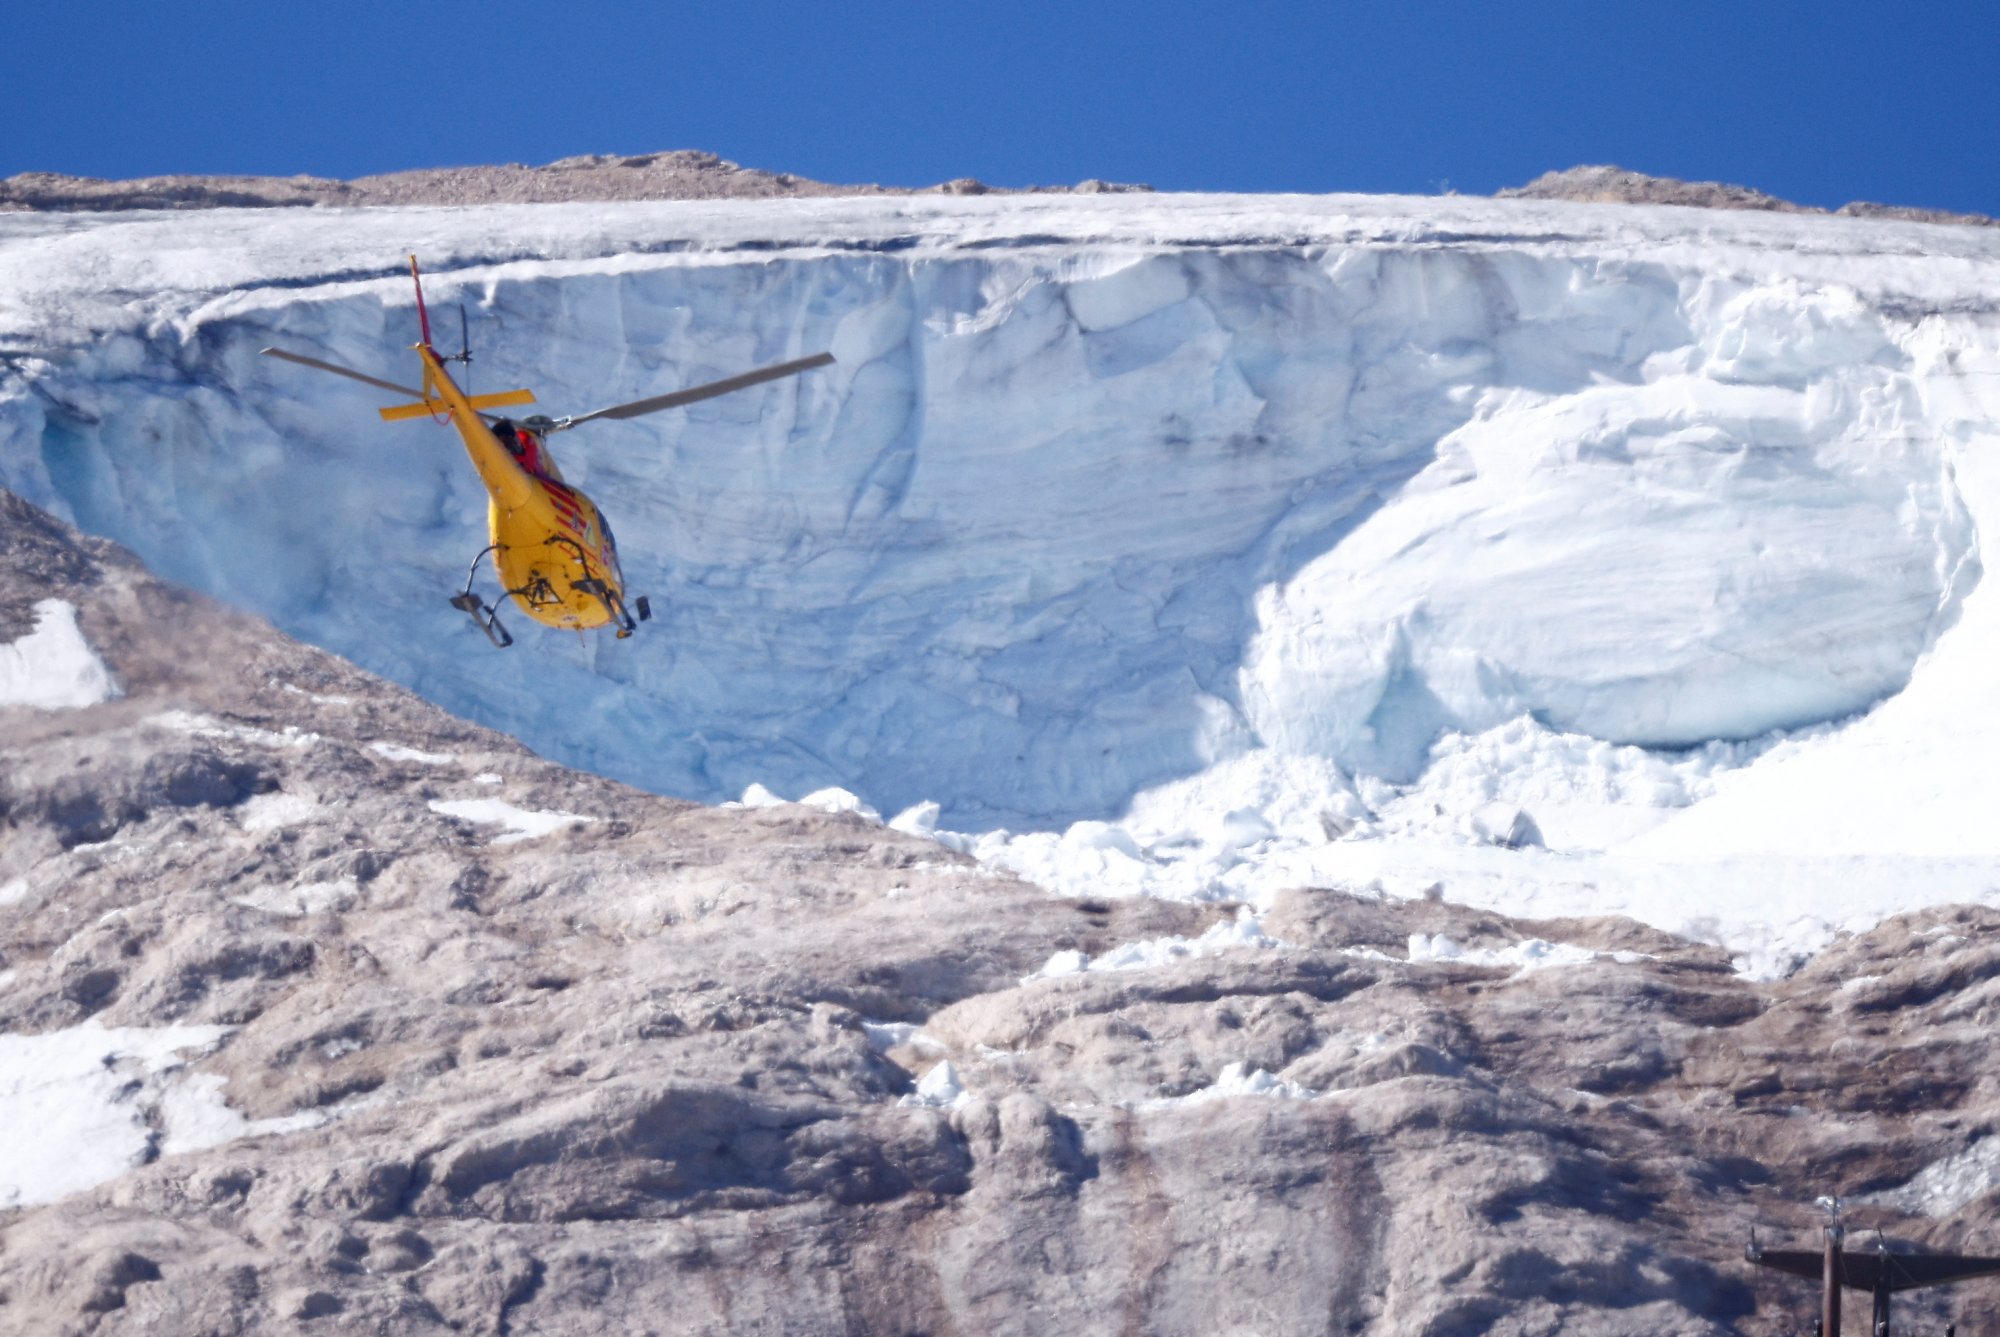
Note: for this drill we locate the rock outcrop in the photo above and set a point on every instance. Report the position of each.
(682, 174)
(1615, 185)
(691, 174)
(406, 1030)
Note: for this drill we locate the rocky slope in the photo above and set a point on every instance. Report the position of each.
(690, 174)
(642, 1066)
(683, 174)
(1615, 185)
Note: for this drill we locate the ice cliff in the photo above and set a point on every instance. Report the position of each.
(1103, 494)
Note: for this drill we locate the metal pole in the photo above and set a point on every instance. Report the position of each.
(1829, 1304)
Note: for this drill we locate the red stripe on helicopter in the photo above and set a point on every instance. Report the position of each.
(567, 508)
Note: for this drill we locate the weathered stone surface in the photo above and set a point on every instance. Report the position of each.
(1615, 185)
(634, 1076)
(682, 174)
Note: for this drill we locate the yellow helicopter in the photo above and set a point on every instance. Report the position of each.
(551, 547)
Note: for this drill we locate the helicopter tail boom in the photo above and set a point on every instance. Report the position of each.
(429, 408)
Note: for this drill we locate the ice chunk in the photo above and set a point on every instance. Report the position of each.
(939, 1088)
(839, 800)
(1528, 954)
(1244, 930)
(1067, 962)
(918, 820)
(1504, 824)
(1236, 1080)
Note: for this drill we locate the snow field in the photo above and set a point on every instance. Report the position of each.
(75, 1106)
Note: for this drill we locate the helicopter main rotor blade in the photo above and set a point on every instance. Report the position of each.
(339, 370)
(695, 393)
(354, 375)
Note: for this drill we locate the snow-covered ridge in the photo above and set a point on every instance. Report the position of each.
(1294, 519)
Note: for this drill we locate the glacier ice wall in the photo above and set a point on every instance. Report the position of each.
(1097, 495)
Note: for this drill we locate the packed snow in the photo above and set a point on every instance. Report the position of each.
(205, 726)
(81, 1106)
(53, 666)
(1235, 1080)
(397, 752)
(277, 809)
(197, 1117)
(886, 1035)
(1557, 558)
(1533, 954)
(1243, 931)
(304, 898)
(1941, 1188)
(520, 823)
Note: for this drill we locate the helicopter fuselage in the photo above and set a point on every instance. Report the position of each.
(551, 546)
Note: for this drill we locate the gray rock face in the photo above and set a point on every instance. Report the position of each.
(682, 174)
(1615, 185)
(670, 1069)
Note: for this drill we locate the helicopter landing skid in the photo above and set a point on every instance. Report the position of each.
(483, 614)
(483, 617)
(613, 605)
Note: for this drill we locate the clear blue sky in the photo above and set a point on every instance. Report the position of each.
(1818, 102)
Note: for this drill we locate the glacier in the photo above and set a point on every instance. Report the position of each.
(1191, 545)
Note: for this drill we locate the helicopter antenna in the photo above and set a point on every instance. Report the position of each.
(464, 353)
